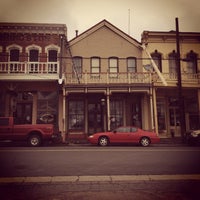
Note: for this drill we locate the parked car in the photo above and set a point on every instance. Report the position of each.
(193, 137)
(125, 134)
(34, 134)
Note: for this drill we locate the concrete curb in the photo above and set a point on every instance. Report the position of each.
(86, 179)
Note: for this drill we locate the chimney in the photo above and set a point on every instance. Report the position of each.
(76, 32)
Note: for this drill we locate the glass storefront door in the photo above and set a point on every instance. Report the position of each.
(174, 117)
(95, 118)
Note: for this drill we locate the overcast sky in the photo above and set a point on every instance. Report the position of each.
(154, 15)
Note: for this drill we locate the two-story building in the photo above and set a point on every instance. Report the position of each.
(167, 110)
(31, 69)
(101, 79)
(106, 86)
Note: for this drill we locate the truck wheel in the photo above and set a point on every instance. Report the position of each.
(34, 140)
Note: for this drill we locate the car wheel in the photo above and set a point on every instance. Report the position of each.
(34, 140)
(145, 142)
(103, 141)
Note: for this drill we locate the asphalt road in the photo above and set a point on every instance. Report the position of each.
(79, 161)
(87, 173)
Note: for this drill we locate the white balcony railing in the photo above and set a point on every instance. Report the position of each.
(29, 67)
(108, 78)
(129, 78)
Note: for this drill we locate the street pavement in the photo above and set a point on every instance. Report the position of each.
(117, 187)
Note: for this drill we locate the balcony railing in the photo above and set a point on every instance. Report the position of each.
(108, 78)
(29, 67)
(129, 78)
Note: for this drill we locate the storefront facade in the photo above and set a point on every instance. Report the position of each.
(162, 47)
(30, 70)
(106, 86)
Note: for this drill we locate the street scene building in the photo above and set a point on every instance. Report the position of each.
(99, 80)
(167, 109)
(30, 71)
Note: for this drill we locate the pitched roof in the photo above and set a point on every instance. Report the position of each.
(104, 23)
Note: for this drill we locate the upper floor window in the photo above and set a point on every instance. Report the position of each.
(77, 65)
(191, 62)
(157, 59)
(131, 64)
(34, 55)
(14, 55)
(113, 66)
(172, 63)
(52, 55)
(95, 66)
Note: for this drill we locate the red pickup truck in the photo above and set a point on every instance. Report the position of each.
(34, 134)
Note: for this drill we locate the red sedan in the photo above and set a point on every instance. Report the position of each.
(124, 135)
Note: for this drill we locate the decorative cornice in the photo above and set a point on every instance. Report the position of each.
(38, 28)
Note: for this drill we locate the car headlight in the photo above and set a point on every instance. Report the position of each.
(91, 136)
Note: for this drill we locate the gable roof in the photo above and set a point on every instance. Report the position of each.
(104, 23)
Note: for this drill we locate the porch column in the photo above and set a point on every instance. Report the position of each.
(155, 110)
(64, 116)
(108, 107)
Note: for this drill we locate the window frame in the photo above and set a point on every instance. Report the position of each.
(157, 57)
(75, 113)
(131, 67)
(113, 74)
(97, 68)
(78, 68)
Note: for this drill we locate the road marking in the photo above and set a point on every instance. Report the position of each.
(112, 179)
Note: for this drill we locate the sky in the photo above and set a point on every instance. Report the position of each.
(131, 16)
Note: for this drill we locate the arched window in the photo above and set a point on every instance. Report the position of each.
(172, 63)
(52, 55)
(14, 55)
(33, 55)
(191, 58)
(157, 59)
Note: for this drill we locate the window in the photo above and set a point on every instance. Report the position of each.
(52, 56)
(95, 66)
(157, 59)
(113, 66)
(33, 55)
(14, 55)
(172, 64)
(161, 109)
(76, 115)
(192, 62)
(47, 107)
(77, 64)
(52, 59)
(131, 64)
(116, 114)
(123, 130)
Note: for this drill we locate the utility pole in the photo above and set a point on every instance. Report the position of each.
(180, 95)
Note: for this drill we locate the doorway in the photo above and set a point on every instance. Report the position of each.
(174, 119)
(95, 118)
(23, 113)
